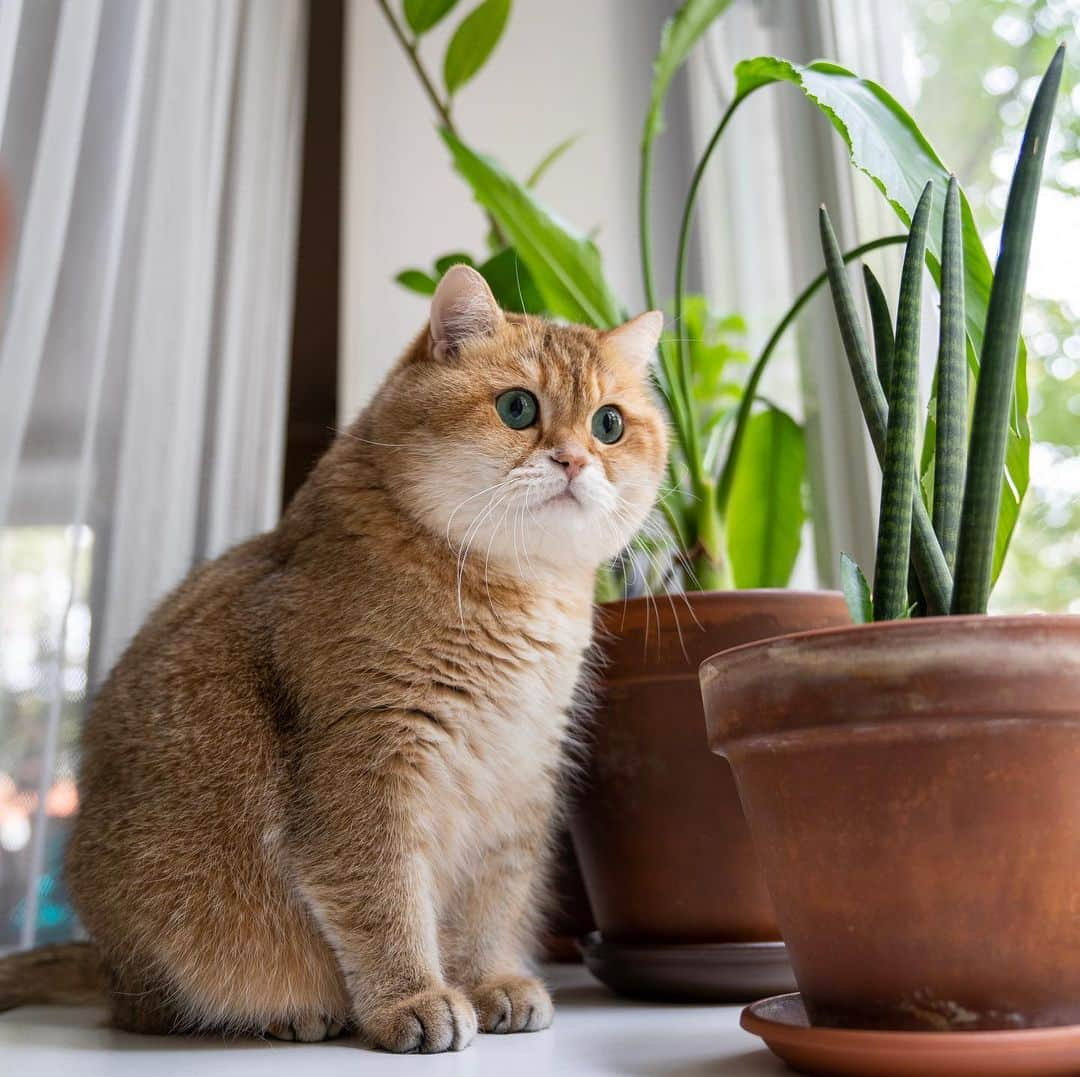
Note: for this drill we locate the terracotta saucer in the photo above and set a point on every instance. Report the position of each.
(839, 1052)
(689, 972)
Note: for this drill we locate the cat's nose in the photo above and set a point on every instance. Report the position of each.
(572, 458)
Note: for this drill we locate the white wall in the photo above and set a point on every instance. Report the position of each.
(564, 66)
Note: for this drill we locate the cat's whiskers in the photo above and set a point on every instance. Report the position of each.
(517, 554)
(487, 559)
(678, 557)
(627, 525)
(366, 441)
(621, 513)
(662, 493)
(520, 523)
(471, 497)
(521, 299)
(463, 554)
(524, 533)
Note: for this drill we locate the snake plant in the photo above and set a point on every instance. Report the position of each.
(952, 550)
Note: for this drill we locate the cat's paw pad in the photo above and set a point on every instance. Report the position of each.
(427, 1023)
(513, 1004)
(311, 1027)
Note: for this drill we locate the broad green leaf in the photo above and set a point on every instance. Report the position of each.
(512, 284)
(456, 258)
(549, 158)
(473, 42)
(679, 35)
(886, 144)
(422, 15)
(856, 591)
(765, 508)
(565, 267)
(416, 280)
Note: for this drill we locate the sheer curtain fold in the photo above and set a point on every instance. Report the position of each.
(151, 152)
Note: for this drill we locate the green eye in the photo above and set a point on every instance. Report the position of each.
(607, 424)
(517, 408)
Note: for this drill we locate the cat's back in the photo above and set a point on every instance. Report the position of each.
(178, 735)
(201, 638)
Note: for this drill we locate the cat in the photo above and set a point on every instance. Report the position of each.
(318, 788)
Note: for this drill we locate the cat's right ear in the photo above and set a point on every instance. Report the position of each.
(462, 309)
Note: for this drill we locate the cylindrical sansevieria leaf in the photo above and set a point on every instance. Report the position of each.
(950, 446)
(884, 344)
(925, 551)
(881, 323)
(993, 395)
(898, 468)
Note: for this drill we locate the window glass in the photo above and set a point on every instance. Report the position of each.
(973, 66)
(44, 598)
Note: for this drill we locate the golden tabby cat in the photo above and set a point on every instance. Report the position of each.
(318, 787)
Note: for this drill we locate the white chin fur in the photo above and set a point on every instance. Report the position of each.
(519, 520)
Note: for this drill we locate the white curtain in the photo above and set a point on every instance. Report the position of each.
(777, 163)
(151, 154)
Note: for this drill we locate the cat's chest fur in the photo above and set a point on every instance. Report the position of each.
(502, 738)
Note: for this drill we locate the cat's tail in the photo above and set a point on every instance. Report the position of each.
(67, 973)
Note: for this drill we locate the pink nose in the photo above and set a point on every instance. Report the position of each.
(573, 460)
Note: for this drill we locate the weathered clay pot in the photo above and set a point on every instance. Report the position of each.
(658, 829)
(913, 789)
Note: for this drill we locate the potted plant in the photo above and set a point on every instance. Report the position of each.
(654, 805)
(913, 782)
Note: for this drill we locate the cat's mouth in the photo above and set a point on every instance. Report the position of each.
(565, 496)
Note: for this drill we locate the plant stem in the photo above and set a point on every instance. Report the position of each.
(746, 404)
(412, 52)
(993, 394)
(644, 228)
(710, 528)
(708, 575)
(441, 106)
(685, 371)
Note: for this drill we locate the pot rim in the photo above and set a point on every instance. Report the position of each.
(667, 636)
(893, 678)
(770, 594)
(967, 622)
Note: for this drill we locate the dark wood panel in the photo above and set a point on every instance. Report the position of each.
(313, 375)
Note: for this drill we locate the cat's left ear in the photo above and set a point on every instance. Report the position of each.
(635, 341)
(462, 309)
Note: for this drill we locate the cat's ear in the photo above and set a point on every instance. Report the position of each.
(462, 309)
(635, 341)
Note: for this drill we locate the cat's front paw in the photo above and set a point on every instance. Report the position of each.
(513, 1004)
(433, 1021)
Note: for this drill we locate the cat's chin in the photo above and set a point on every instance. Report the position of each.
(569, 522)
(566, 498)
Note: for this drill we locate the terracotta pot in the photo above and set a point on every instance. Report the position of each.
(913, 789)
(658, 829)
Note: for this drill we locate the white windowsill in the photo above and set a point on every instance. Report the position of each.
(594, 1033)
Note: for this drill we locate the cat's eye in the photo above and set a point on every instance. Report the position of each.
(517, 408)
(607, 424)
